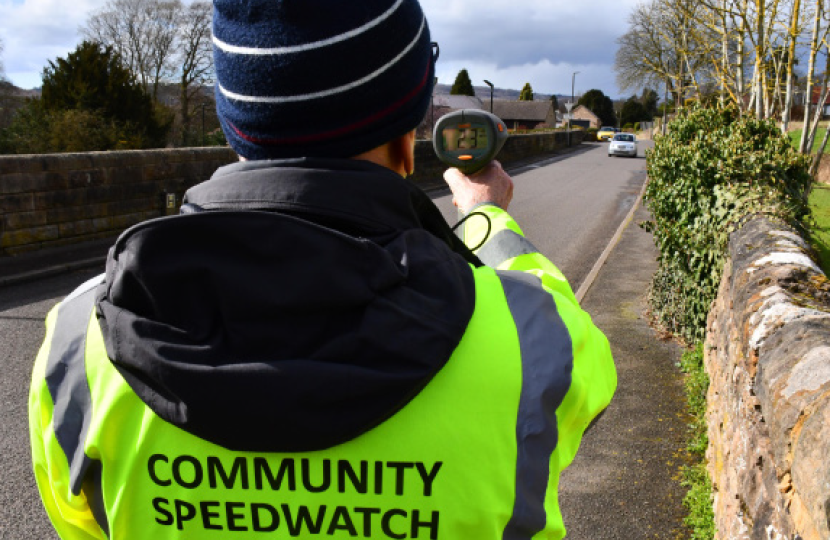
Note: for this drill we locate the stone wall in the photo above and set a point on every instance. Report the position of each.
(768, 357)
(60, 199)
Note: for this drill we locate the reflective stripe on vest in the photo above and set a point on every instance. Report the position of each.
(504, 245)
(68, 387)
(547, 361)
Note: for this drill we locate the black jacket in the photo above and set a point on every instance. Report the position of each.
(293, 306)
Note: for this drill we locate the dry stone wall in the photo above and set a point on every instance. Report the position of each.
(59, 199)
(768, 357)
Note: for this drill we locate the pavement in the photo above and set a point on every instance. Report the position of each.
(44, 263)
(624, 483)
(625, 480)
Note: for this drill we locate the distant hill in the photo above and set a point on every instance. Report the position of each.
(8, 89)
(12, 98)
(483, 92)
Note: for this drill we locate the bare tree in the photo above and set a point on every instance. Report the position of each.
(645, 57)
(818, 40)
(662, 47)
(195, 61)
(161, 41)
(142, 32)
(747, 49)
(744, 48)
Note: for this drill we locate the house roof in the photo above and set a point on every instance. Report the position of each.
(522, 110)
(584, 110)
(457, 102)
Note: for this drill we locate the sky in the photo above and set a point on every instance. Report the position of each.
(508, 42)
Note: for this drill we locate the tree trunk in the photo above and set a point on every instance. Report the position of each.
(184, 110)
(739, 71)
(811, 70)
(791, 38)
(817, 158)
(759, 60)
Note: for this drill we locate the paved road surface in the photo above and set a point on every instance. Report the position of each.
(568, 207)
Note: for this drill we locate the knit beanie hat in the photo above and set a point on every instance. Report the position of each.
(319, 78)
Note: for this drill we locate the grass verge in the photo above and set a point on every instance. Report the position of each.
(698, 500)
(795, 138)
(820, 227)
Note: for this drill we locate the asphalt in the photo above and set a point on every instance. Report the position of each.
(49, 262)
(625, 481)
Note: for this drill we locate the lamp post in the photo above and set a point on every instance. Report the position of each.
(432, 104)
(571, 114)
(488, 83)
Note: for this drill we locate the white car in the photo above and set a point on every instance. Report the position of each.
(623, 144)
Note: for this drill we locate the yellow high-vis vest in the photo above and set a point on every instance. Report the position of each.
(476, 454)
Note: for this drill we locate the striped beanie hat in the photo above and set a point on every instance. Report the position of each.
(319, 78)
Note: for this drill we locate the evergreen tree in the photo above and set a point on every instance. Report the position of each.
(632, 112)
(462, 86)
(601, 105)
(555, 101)
(92, 79)
(527, 93)
(649, 99)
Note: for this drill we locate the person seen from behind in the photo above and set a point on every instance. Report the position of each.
(308, 350)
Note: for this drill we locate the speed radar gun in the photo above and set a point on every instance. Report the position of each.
(468, 139)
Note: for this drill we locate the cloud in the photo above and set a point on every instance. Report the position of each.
(36, 31)
(538, 41)
(509, 42)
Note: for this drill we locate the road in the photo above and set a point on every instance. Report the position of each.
(569, 207)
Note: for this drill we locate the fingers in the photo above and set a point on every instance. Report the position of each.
(490, 185)
(454, 177)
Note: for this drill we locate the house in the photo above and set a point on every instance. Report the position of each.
(583, 113)
(525, 115)
(816, 96)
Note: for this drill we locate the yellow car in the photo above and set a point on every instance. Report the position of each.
(606, 133)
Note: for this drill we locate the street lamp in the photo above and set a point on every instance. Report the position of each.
(488, 83)
(432, 104)
(571, 115)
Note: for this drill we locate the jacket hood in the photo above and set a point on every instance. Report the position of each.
(298, 305)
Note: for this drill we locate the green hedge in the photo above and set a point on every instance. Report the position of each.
(712, 169)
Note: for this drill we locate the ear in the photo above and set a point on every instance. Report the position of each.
(403, 150)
